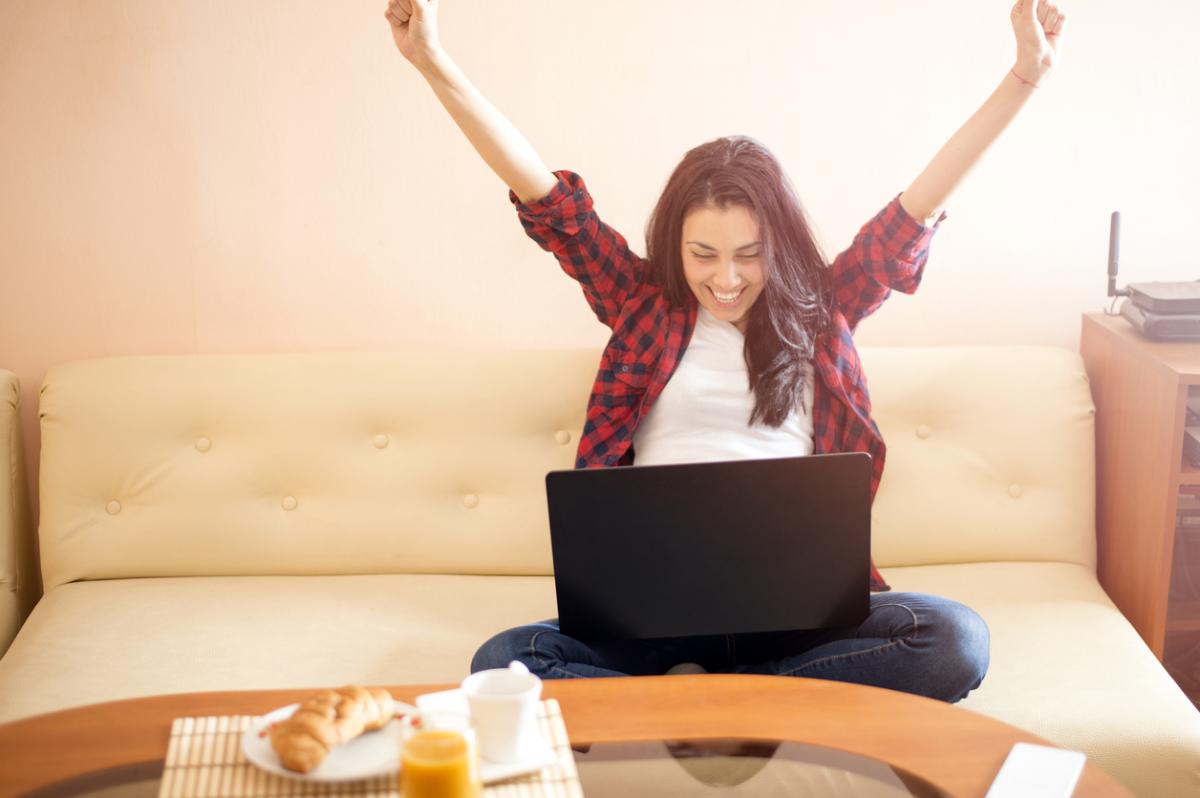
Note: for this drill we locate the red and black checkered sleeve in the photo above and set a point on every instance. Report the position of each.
(888, 253)
(564, 223)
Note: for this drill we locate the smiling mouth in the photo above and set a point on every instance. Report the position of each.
(726, 299)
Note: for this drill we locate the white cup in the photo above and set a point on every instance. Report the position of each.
(503, 704)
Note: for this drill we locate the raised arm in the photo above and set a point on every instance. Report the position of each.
(890, 251)
(555, 209)
(498, 142)
(1038, 28)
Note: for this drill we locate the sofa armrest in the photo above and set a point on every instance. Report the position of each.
(18, 571)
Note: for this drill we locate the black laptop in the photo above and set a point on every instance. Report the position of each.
(712, 548)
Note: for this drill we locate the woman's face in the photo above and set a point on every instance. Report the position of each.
(722, 260)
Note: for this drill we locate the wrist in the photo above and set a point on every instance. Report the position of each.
(1030, 71)
(430, 62)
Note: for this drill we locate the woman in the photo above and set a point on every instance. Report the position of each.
(732, 339)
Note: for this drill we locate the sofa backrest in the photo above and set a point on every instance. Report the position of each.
(308, 463)
(434, 462)
(991, 455)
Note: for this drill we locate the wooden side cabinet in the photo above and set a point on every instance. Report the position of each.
(1141, 389)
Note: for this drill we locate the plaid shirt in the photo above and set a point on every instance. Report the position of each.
(649, 338)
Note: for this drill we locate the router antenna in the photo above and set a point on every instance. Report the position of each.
(1114, 246)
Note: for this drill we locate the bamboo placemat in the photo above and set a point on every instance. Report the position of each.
(205, 760)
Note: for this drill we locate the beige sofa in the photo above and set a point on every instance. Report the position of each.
(215, 522)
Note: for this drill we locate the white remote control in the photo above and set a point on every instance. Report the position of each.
(1038, 771)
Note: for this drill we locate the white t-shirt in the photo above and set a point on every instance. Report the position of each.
(703, 411)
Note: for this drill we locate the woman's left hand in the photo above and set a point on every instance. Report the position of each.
(1038, 26)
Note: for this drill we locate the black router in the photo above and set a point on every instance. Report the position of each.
(1160, 311)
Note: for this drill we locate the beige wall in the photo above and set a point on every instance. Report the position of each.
(257, 176)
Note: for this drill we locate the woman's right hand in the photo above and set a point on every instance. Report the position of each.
(414, 28)
(502, 147)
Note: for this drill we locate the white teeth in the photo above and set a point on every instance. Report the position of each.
(728, 298)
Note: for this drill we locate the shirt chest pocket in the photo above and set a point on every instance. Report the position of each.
(628, 375)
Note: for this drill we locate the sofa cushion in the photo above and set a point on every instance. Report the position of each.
(991, 455)
(98, 641)
(434, 461)
(1064, 663)
(332, 463)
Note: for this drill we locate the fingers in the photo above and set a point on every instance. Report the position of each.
(1054, 21)
(396, 14)
(1049, 16)
(1025, 8)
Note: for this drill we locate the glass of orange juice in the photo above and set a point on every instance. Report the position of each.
(439, 764)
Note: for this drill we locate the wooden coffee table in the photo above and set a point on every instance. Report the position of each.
(956, 750)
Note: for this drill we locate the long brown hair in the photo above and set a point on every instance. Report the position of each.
(795, 307)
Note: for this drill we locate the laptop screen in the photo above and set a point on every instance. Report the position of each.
(712, 548)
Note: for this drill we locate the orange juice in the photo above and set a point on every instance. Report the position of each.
(438, 764)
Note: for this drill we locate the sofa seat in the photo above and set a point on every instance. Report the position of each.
(1065, 664)
(87, 642)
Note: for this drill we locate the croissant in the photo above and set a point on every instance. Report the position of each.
(330, 718)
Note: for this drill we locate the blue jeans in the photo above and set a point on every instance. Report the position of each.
(913, 642)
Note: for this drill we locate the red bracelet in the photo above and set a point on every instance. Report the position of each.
(1018, 77)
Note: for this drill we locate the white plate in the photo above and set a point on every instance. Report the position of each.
(371, 754)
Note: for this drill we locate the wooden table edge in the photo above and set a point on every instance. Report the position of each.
(57, 746)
